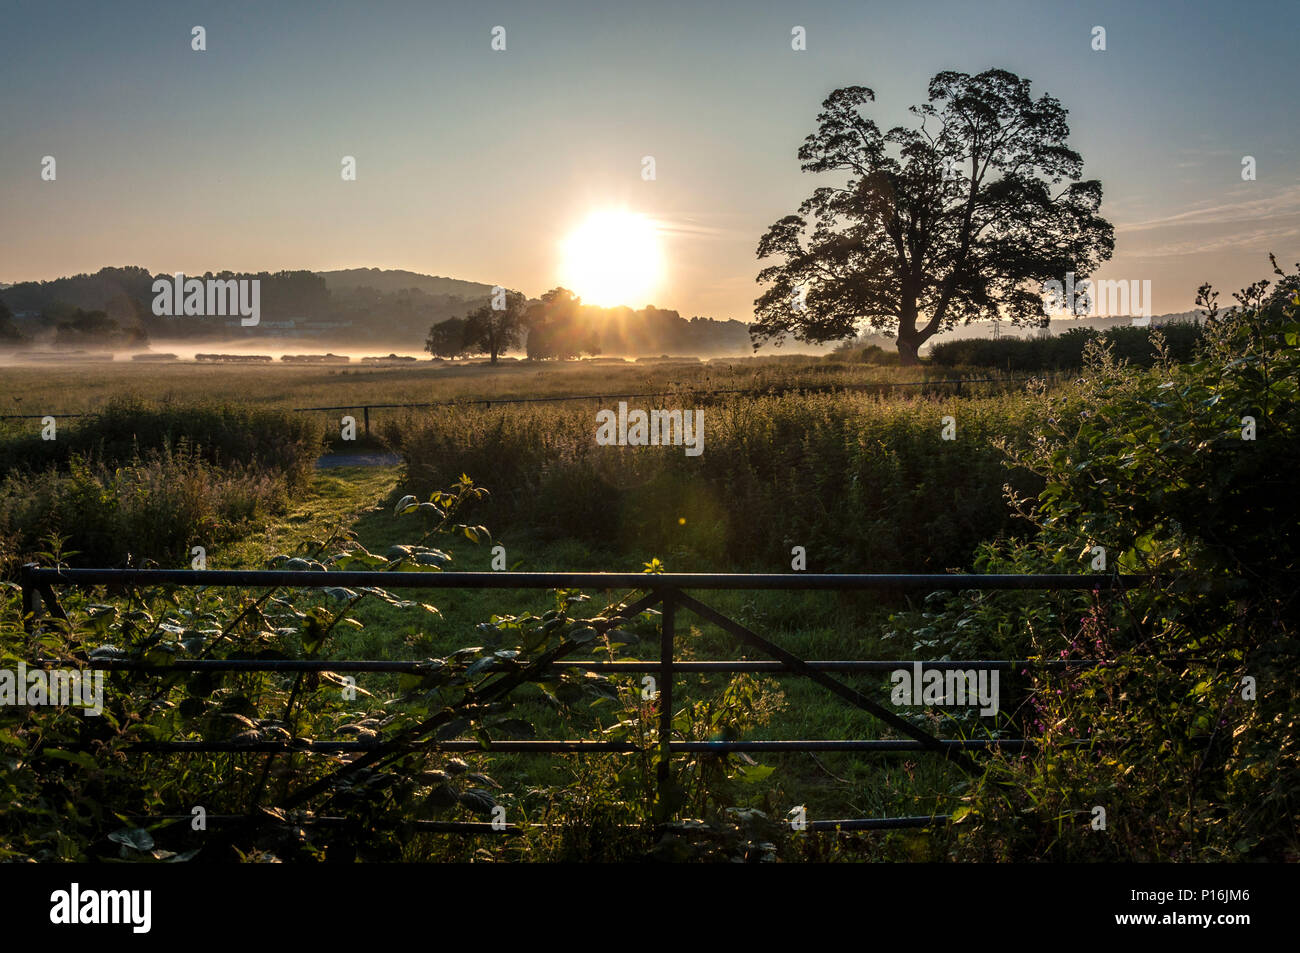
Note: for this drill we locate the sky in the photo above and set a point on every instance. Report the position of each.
(479, 164)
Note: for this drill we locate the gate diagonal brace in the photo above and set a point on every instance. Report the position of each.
(416, 732)
(52, 602)
(852, 695)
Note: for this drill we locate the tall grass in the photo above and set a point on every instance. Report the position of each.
(863, 483)
(140, 481)
(152, 509)
(223, 435)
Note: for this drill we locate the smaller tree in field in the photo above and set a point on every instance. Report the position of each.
(560, 327)
(494, 330)
(447, 338)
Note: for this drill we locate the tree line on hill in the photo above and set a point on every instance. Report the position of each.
(558, 326)
(113, 308)
(66, 326)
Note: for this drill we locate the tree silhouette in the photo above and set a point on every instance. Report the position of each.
(560, 327)
(492, 331)
(446, 338)
(958, 218)
(9, 333)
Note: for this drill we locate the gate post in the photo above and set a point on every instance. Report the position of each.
(29, 595)
(663, 769)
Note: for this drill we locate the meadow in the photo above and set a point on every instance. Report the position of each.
(835, 457)
(76, 388)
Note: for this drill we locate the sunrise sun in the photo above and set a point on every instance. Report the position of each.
(613, 258)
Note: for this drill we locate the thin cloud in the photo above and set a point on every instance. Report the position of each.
(1236, 240)
(1284, 204)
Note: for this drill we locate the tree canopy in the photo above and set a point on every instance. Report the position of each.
(560, 327)
(493, 331)
(962, 216)
(447, 338)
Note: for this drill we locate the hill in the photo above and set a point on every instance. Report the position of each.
(388, 281)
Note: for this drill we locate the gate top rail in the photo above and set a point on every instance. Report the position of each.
(306, 579)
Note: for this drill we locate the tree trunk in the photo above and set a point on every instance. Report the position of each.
(907, 352)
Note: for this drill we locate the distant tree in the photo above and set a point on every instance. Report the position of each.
(9, 333)
(447, 338)
(492, 332)
(936, 225)
(560, 327)
(79, 328)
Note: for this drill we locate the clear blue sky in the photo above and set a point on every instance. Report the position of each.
(475, 164)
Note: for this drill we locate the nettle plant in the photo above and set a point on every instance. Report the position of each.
(1186, 732)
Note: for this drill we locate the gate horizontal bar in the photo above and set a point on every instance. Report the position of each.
(583, 580)
(420, 668)
(577, 746)
(880, 823)
(487, 827)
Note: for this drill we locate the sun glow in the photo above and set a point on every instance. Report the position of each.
(613, 258)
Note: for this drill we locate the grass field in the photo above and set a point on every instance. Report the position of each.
(29, 389)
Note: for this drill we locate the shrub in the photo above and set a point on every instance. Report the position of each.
(1066, 350)
(224, 435)
(1190, 760)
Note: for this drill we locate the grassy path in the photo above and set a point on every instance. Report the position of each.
(360, 499)
(337, 497)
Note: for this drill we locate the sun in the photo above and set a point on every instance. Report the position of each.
(613, 258)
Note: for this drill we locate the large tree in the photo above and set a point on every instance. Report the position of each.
(964, 215)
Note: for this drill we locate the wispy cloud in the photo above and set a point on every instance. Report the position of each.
(1281, 204)
(1240, 240)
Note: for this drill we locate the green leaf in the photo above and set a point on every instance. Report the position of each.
(583, 634)
(79, 758)
(137, 838)
(753, 773)
(478, 800)
(514, 728)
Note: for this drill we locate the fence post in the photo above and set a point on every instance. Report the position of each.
(29, 595)
(366, 411)
(663, 772)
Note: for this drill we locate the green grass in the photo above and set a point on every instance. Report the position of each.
(811, 625)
